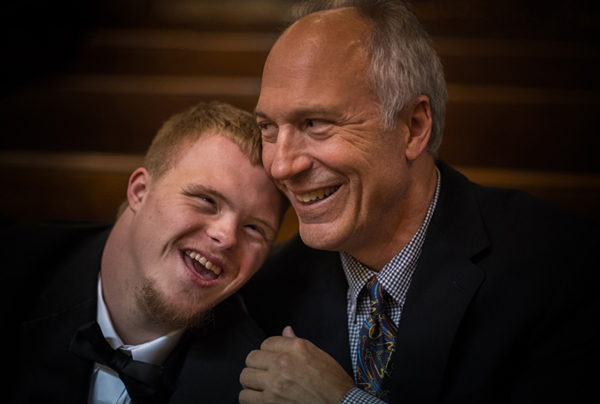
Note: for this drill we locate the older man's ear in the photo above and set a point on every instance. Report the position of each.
(418, 120)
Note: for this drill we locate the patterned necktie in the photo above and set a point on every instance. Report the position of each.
(377, 343)
(144, 381)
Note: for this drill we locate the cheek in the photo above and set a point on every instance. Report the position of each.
(345, 153)
(178, 217)
(251, 260)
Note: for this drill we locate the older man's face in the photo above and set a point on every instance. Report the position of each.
(323, 139)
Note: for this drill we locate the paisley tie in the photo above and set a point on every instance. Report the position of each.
(377, 343)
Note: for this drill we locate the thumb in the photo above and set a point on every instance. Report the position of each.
(288, 332)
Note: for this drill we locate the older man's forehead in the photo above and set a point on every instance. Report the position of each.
(331, 30)
(316, 49)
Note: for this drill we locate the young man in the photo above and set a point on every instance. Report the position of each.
(200, 217)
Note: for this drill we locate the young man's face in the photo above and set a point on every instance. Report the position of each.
(202, 230)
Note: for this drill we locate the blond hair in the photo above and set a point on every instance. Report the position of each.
(184, 129)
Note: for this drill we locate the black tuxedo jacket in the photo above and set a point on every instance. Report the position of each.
(60, 264)
(503, 305)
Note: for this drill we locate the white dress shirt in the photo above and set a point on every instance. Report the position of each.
(105, 385)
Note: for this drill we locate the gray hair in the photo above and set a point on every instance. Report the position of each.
(404, 64)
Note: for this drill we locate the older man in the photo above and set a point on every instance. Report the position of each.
(432, 289)
(123, 313)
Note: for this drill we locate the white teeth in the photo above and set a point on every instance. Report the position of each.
(207, 264)
(316, 195)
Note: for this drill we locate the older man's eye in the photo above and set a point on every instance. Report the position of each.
(266, 126)
(315, 124)
(268, 131)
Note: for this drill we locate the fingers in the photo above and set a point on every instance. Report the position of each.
(250, 397)
(289, 369)
(284, 343)
(260, 359)
(288, 332)
(253, 379)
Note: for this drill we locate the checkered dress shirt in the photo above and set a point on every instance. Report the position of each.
(395, 277)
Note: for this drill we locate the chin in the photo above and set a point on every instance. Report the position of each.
(321, 237)
(173, 313)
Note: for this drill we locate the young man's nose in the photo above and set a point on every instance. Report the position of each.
(223, 232)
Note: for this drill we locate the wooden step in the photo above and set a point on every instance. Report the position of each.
(91, 186)
(173, 52)
(466, 60)
(497, 126)
(557, 20)
(523, 128)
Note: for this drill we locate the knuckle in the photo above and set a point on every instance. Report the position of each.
(267, 343)
(299, 344)
(301, 348)
(284, 361)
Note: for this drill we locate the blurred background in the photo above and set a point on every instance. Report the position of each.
(85, 85)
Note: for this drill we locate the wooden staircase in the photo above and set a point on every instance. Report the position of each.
(523, 83)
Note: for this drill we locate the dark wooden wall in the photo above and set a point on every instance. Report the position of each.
(85, 86)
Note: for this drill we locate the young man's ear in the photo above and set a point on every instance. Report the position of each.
(419, 124)
(137, 188)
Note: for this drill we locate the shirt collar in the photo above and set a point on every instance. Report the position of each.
(358, 274)
(154, 352)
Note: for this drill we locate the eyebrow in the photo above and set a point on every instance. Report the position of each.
(314, 110)
(195, 189)
(259, 113)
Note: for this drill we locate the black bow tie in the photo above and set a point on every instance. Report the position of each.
(144, 381)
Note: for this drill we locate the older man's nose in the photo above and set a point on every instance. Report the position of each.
(286, 157)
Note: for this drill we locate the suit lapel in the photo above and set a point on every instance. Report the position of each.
(216, 357)
(334, 314)
(68, 302)
(53, 371)
(323, 318)
(440, 292)
(442, 287)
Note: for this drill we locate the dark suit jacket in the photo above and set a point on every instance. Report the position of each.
(60, 264)
(503, 305)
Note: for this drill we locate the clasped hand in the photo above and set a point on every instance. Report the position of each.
(289, 369)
